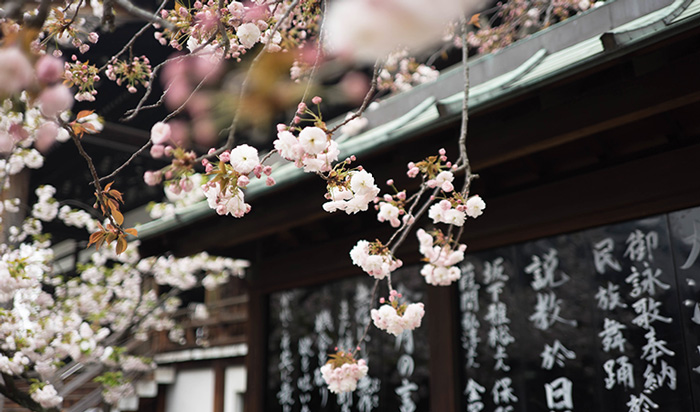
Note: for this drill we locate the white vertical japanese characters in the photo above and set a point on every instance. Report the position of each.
(618, 369)
(405, 367)
(499, 336)
(322, 325)
(645, 281)
(546, 279)
(305, 382)
(469, 307)
(285, 396)
(368, 387)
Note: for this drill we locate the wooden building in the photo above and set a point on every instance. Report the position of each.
(583, 135)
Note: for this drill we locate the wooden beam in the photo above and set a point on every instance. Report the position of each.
(581, 113)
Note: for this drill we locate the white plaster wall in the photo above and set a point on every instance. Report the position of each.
(193, 391)
(234, 388)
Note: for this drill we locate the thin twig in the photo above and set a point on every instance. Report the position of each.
(371, 306)
(133, 38)
(317, 60)
(368, 97)
(144, 14)
(244, 86)
(131, 113)
(184, 104)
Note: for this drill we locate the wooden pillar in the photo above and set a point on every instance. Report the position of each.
(442, 337)
(256, 366)
(219, 385)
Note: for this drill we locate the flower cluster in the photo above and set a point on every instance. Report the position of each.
(84, 76)
(455, 209)
(396, 318)
(312, 149)
(206, 24)
(374, 258)
(391, 207)
(230, 175)
(519, 18)
(46, 207)
(30, 118)
(68, 30)
(401, 73)
(45, 394)
(342, 372)
(351, 191)
(440, 257)
(138, 71)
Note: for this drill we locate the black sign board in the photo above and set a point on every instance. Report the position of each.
(307, 324)
(585, 321)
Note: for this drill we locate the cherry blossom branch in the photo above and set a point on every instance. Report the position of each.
(463, 161)
(184, 104)
(368, 97)
(133, 38)
(369, 324)
(317, 60)
(42, 13)
(95, 177)
(412, 223)
(244, 86)
(10, 390)
(143, 14)
(131, 158)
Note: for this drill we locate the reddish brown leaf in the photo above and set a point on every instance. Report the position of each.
(118, 217)
(84, 113)
(121, 244)
(475, 20)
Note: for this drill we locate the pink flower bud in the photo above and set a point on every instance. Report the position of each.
(401, 195)
(209, 168)
(152, 178)
(157, 151)
(257, 170)
(296, 119)
(301, 107)
(168, 150)
(267, 170)
(243, 181)
(225, 156)
(317, 100)
(281, 127)
(442, 152)
(270, 181)
(390, 182)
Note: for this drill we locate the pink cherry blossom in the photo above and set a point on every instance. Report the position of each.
(54, 100)
(344, 378)
(49, 69)
(160, 133)
(16, 73)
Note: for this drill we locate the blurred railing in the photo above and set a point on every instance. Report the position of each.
(227, 324)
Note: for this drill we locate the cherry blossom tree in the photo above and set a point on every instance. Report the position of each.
(51, 319)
